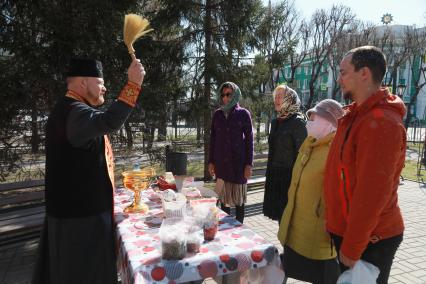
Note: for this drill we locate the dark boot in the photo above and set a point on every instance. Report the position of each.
(225, 209)
(239, 213)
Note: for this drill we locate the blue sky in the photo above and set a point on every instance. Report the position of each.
(404, 12)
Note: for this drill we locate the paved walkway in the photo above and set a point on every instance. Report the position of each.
(410, 261)
(16, 261)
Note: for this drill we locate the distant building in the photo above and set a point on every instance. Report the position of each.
(325, 82)
(302, 78)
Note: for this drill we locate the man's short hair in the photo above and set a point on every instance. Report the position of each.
(370, 57)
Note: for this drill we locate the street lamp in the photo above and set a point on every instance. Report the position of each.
(400, 90)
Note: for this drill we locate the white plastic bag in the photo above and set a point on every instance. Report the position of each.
(362, 273)
(270, 274)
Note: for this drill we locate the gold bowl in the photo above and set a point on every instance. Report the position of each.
(136, 181)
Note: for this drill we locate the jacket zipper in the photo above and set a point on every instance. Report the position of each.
(346, 194)
(345, 186)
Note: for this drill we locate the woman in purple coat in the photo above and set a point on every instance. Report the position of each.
(231, 150)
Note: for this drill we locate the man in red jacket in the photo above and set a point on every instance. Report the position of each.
(364, 166)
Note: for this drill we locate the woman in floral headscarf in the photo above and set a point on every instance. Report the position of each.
(288, 131)
(231, 150)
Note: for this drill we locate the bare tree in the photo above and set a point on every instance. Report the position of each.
(280, 35)
(299, 37)
(396, 49)
(415, 39)
(356, 34)
(327, 28)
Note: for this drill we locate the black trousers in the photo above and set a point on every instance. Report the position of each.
(380, 254)
(239, 211)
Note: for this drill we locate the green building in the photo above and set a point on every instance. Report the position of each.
(405, 82)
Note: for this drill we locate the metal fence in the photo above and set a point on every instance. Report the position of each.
(416, 132)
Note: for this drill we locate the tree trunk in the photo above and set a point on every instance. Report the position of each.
(162, 129)
(207, 87)
(311, 95)
(258, 116)
(198, 125)
(143, 140)
(150, 137)
(35, 137)
(335, 86)
(121, 136)
(394, 81)
(129, 135)
(259, 121)
(175, 118)
(291, 80)
(268, 124)
(334, 92)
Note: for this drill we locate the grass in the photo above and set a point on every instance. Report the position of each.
(410, 171)
(414, 146)
(33, 173)
(196, 169)
(261, 148)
